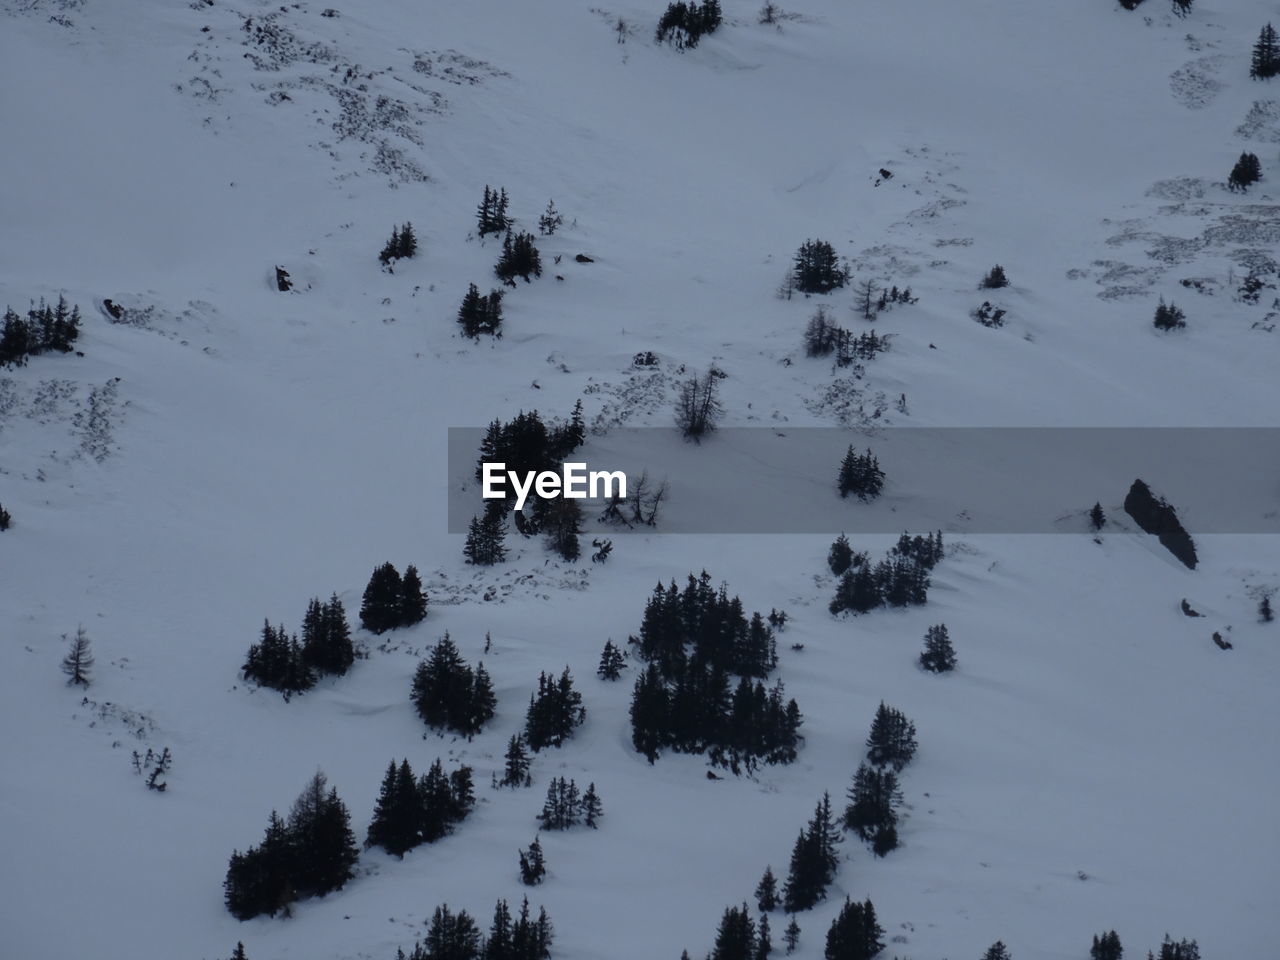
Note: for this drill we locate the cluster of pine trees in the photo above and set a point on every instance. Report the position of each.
(449, 695)
(565, 807)
(684, 24)
(310, 854)
(694, 641)
(412, 811)
(1246, 172)
(279, 661)
(392, 601)
(874, 796)
(901, 579)
(860, 475)
(402, 245)
(486, 542)
(555, 711)
(527, 444)
(1169, 316)
(491, 217)
(456, 936)
(1265, 62)
(995, 279)
(854, 933)
(823, 337)
(44, 330)
(817, 268)
(480, 313)
(519, 258)
(814, 859)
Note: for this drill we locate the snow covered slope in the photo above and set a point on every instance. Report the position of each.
(1094, 763)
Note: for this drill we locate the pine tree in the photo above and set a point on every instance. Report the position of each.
(554, 711)
(516, 771)
(391, 249)
(1169, 317)
(591, 806)
(408, 242)
(817, 268)
(486, 538)
(550, 219)
(1265, 614)
(395, 814)
(533, 866)
(561, 522)
(995, 279)
(612, 662)
(1246, 172)
(997, 951)
(854, 933)
(412, 605)
(1265, 62)
(563, 806)
(452, 936)
(767, 892)
(1097, 519)
(491, 217)
(5, 518)
(892, 741)
(736, 936)
(764, 939)
(860, 474)
(939, 655)
(380, 608)
(520, 258)
(1106, 947)
(449, 695)
(78, 663)
(238, 953)
(840, 556)
(792, 936)
(1178, 949)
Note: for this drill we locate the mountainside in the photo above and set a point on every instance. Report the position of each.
(221, 451)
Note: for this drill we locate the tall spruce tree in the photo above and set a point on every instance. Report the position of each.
(840, 556)
(612, 662)
(1265, 62)
(78, 663)
(412, 605)
(516, 769)
(767, 892)
(533, 865)
(892, 740)
(939, 655)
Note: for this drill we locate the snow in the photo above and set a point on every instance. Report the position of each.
(1095, 762)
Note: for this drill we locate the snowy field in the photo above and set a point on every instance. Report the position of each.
(1095, 762)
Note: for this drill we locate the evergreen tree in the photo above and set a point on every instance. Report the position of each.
(1178, 950)
(550, 219)
(412, 606)
(1169, 317)
(391, 249)
(792, 936)
(395, 816)
(767, 892)
(860, 474)
(380, 608)
(1265, 614)
(892, 741)
(995, 279)
(858, 591)
(561, 522)
(1265, 62)
(764, 939)
(563, 806)
(939, 655)
(1247, 171)
(1106, 947)
(452, 936)
(817, 268)
(554, 711)
(516, 771)
(813, 860)
(408, 242)
(872, 811)
(1097, 519)
(612, 662)
(854, 933)
(736, 937)
(520, 258)
(480, 314)
(533, 866)
(840, 556)
(5, 518)
(649, 706)
(491, 217)
(326, 637)
(238, 953)
(486, 538)
(591, 807)
(997, 951)
(78, 663)
(323, 847)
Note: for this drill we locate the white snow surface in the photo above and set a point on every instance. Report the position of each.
(1094, 763)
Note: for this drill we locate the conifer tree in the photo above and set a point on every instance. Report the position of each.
(449, 695)
(380, 608)
(592, 808)
(452, 936)
(5, 518)
(520, 258)
(238, 953)
(854, 933)
(792, 935)
(767, 892)
(817, 268)
(408, 242)
(860, 474)
(486, 537)
(1265, 613)
(1246, 172)
(997, 951)
(840, 556)
(1169, 316)
(764, 939)
(736, 937)
(516, 771)
(78, 663)
(872, 810)
(1106, 947)
(995, 279)
(939, 655)
(1097, 519)
(550, 219)
(533, 866)
(391, 249)
(554, 711)
(412, 606)
(612, 662)
(892, 740)
(1265, 62)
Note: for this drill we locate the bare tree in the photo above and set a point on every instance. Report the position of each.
(867, 291)
(78, 662)
(698, 407)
